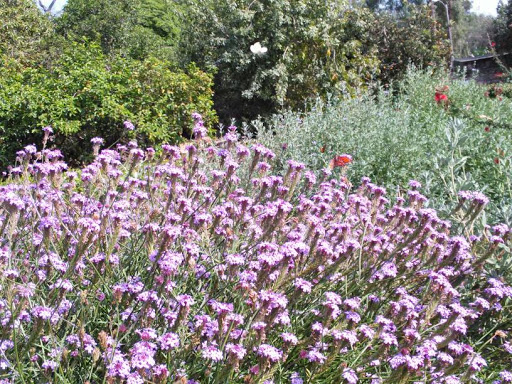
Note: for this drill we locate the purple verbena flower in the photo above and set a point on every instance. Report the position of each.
(270, 352)
(349, 375)
(211, 352)
(236, 350)
(97, 141)
(128, 125)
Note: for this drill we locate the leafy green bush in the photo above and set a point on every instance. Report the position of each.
(84, 94)
(23, 30)
(314, 48)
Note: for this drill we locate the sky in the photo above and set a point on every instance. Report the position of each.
(58, 5)
(487, 7)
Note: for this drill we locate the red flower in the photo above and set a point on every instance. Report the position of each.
(441, 98)
(496, 160)
(340, 161)
(487, 129)
(493, 44)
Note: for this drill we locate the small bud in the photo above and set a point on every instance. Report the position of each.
(96, 354)
(103, 338)
(500, 333)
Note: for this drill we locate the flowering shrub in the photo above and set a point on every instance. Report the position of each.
(201, 266)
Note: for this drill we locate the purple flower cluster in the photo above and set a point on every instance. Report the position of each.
(145, 268)
(199, 129)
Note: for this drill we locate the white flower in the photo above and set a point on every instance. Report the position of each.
(257, 49)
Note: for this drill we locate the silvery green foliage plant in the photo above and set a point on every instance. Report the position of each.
(396, 135)
(201, 265)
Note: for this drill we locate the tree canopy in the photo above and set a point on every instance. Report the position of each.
(136, 29)
(23, 30)
(502, 31)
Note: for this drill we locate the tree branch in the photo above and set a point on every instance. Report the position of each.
(48, 8)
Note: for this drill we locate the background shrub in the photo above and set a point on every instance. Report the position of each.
(23, 30)
(409, 38)
(314, 48)
(136, 29)
(84, 94)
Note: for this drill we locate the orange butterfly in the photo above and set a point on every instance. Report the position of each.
(340, 161)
